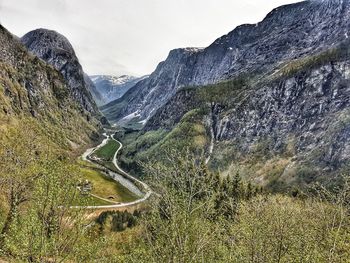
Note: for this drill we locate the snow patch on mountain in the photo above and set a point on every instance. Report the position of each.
(114, 87)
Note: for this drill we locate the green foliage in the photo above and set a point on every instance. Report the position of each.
(190, 134)
(224, 92)
(200, 217)
(306, 174)
(178, 229)
(61, 92)
(188, 218)
(339, 53)
(48, 228)
(107, 152)
(37, 184)
(230, 192)
(120, 220)
(196, 216)
(281, 229)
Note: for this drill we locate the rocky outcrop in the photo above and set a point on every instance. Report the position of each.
(171, 113)
(310, 108)
(31, 89)
(151, 93)
(56, 50)
(288, 32)
(33, 92)
(111, 87)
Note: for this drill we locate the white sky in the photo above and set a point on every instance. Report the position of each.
(132, 36)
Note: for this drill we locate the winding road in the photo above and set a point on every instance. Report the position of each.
(122, 177)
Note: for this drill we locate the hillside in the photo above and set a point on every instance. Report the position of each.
(238, 152)
(34, 93)
(287, 128)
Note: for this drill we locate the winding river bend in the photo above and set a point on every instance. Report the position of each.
(133, 184)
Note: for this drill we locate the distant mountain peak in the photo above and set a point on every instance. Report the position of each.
(113, 87)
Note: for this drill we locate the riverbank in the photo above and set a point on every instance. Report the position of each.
(134, 185)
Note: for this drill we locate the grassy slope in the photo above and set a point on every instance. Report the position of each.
(33, 92)
(36, 111)
(190, 134)
(107, 152)
(106, 187)
(90, 201)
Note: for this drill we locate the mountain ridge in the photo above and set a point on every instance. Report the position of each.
(287, 33)
(280, 126)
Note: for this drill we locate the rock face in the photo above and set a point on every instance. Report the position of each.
(112, 87)
(300, 118)
(56, 50)
(310, 108)
(288, 32)
(96, 95)
(172, 112)
(31, 89)
(281, 116)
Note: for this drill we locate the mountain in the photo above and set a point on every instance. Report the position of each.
(112, 87)
(281, 121)
(56, 50)
(34, 96)
(96, 95)
(287, 33)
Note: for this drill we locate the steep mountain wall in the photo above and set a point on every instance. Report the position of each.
(56, 50)
(32, 91)
(287, 33)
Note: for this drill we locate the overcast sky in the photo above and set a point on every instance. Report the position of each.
(132, 36)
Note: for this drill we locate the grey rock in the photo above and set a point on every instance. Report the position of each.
(90, 85)
(310, 107)
(288, 32)
(30, 87)
(56, 50)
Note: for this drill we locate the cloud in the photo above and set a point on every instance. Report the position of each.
(132, 36)
(55, 7)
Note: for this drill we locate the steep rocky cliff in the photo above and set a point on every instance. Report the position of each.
(96, 95)
(56, 50)
(34, 95)
(291, 127)
(280, 113)
(287, 33)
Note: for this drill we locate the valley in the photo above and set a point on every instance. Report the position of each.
(109, 182)
(234, 152)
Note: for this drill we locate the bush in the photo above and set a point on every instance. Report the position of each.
(120, 220)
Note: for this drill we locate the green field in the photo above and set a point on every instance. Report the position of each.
(106, 187)
(90, 201)
(107, 152)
